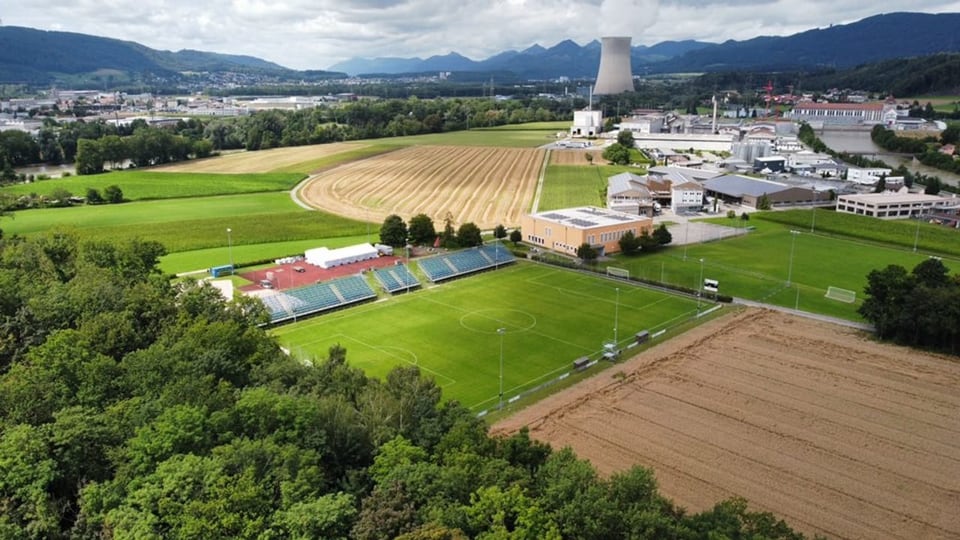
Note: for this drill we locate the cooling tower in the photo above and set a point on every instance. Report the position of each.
(614, 75)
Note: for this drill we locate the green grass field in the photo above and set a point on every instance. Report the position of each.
(756, 267)
(521, 135)
(199, 259)
(145, 185)
(574, 185)
(899, 232)
(551, 316)
(191, 224)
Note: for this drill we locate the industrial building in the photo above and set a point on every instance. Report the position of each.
(736, 189)
(890, 205)
(567, 229)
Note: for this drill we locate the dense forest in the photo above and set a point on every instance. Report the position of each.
(135, 407)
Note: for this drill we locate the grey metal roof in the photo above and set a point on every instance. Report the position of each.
(739, 186)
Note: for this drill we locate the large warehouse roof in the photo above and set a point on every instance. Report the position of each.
(739, 186)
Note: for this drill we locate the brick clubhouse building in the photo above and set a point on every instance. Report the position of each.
(567, 229)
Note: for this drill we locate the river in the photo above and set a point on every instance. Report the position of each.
(859, 141)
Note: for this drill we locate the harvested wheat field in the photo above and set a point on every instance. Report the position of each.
(485, 185)
(575, 157)
(261, 161)
(834, 433)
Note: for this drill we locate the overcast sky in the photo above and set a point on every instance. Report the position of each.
(315, 34)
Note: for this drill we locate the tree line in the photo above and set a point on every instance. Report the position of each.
(926, 150)
(132, 406)
(97, 145)
(917, 308)
(422, 232)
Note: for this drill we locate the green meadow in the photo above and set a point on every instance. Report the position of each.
(523, 135)
(145, 184)
(576, 185)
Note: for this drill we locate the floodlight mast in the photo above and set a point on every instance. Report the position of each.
(501, 331)
(793, 242)
(230, 248)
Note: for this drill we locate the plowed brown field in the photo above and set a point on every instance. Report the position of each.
(574, 157)
(260, 161)
(487, 186)
(834, 433)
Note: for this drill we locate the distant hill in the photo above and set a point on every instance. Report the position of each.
(893, 35)
(566, 58)
(35, 56)
(881, 37)
(44, 57)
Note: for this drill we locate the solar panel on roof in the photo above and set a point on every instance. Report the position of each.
(554, 215)
(620, 218)
(582, 223)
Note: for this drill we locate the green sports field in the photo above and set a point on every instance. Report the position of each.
(551, 317)
(756, 266)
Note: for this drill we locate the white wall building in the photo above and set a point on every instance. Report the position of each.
(586, 123)
(866, 176)
(684, 141)
(890, 205)
(686, 196)
(648, 123)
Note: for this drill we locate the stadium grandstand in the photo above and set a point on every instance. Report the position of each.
(303, 301)
(396, 278)
(468, 261)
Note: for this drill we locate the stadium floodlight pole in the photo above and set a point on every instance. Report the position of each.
(230, 248)
(616, 317)
(916, 235)
(813, 220)
(700, 287)
(407, 280)
(793, 242)
(686, 237)
(501, 331)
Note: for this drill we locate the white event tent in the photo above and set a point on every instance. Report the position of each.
(328, 258)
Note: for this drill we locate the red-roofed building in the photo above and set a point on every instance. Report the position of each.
(847, 113)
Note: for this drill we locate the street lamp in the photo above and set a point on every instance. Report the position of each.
(501, 331)
(793, 242)
(230, 248)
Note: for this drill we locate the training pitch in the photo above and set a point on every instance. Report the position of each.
(550, 318)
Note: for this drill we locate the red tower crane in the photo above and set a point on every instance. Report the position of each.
(769, 98)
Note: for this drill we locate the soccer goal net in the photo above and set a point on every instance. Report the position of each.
(618, 272)
(841, 295)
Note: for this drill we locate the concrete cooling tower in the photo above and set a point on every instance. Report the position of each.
(614, 75)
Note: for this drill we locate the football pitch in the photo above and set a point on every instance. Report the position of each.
(549, 317)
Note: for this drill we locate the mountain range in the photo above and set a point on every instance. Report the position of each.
(44, 57)
(881, 37)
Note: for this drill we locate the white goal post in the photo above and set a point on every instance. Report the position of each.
(618, 272)
(841, 295)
